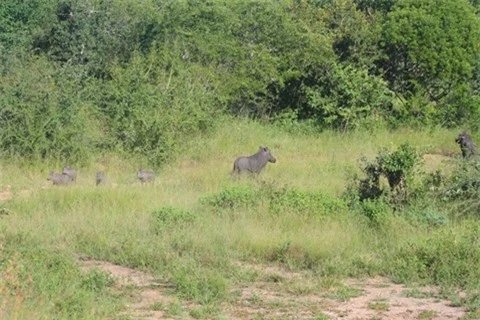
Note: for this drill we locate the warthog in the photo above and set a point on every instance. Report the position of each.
(254, 163)
(59, 179)
(71, 173)
(145, 175)
(100, 177)
(466, 145)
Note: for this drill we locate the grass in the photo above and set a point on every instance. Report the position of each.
(379, 305)
(427, 315)
(166, 229)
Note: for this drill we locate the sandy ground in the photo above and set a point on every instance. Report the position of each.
(374, 298)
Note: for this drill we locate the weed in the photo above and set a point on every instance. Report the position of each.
(418, 294)
(97, 280)
(157, 306)
(174, 309)
(379, 305)
(171, 217)
(344, 293)
(427, 315)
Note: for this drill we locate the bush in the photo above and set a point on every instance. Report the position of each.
(397, 166)
(153, 105)
(302, 202)
(233, 198)
(278, 200)
(445, 258)
(462, 189)
(42, 114)
(33, 274)
(376, 210)
(171, 217)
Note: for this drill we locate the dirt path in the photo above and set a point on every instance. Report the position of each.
(148, 296)
(280, 294)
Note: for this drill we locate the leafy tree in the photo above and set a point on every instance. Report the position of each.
(348, 98)
(152, 105)
(355, 34)
(17, 20)
(42, 112)
(370, 6)
(430, 46)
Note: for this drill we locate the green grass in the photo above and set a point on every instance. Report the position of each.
(291, 215)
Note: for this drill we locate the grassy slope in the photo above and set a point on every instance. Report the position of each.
(114, 222)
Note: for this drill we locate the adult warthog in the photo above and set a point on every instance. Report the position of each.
(59, 179)
(254, 163)
(71, 173)
(145, 176)
(466, 144)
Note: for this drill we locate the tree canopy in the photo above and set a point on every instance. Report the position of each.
(143, 75)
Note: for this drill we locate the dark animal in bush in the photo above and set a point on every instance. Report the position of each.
(466, 145)
(71, 173)
(145, 175)
(59, 179)
(254, 163)
(100, 178)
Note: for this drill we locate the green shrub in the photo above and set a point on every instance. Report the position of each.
(171, 217)
(199, 284)
(233, 198)
(397, 166)
(302, 202)
(445, 258)
(376, 210)
(43, 114)
(278, 200)
(33, 274)
(97, 280)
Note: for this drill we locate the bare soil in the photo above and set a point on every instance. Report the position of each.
(281, 294)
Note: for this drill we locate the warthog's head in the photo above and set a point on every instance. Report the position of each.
(462, 138)
(264, 151)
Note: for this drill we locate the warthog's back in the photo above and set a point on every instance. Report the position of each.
(59, 179)
(254, 163)
(71, 173)
(100, 178)
(145, 176)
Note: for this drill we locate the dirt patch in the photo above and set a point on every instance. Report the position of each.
(282, 294)
(148, 296)
(381, 299)
(276, 293)
(6, 193)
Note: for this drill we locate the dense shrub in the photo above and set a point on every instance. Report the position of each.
(445, 258)
(238, 197)
(33, 274)
(42, 112)
(396, 166)
(78, 78)
(461, 190)
(171, 217)
(278, 200)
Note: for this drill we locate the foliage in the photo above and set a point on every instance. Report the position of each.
(355, 34)
(446, 258)
(278, 200)
(42, 114)
(232, 198)
(32, 274)
(431, 47)
(376, 210)
(461, 189)
(348, 98)
(396, 166)
(144, 77)
(171, 217)
(150, 106)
